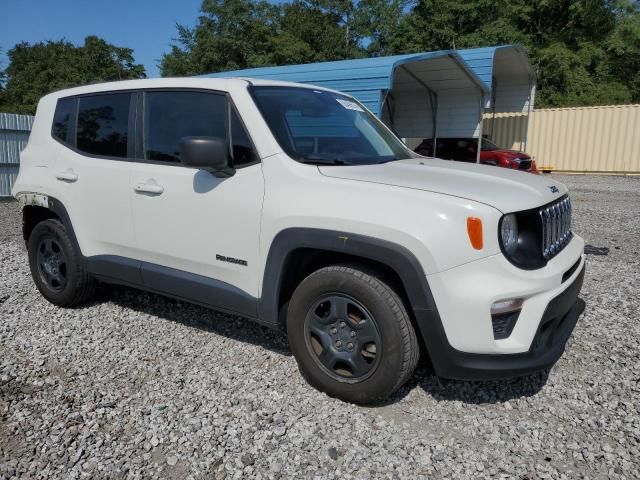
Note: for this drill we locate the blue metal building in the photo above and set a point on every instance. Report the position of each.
(507, 72)
(431, 94)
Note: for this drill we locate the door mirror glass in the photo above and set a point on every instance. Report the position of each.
(206, 153)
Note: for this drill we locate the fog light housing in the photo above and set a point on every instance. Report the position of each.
(506, 306)
(504, 315)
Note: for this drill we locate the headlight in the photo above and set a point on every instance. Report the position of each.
(509, 234)
(520, 236)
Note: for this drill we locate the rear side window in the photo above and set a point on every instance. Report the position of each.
(63, 119)
(172, 115)
(103, 124)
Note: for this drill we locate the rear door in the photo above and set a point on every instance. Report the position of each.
(193, 228)
(92, 170)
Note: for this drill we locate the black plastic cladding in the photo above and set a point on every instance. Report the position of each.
(503, 324)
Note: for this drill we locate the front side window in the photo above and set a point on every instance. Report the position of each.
(316, 126)
(63, 119)
(171, 115)
(103, 124)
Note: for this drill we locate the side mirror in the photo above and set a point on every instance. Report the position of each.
(206, 153)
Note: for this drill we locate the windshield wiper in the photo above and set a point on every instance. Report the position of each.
(317, 160)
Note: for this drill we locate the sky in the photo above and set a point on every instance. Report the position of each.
(146, 26)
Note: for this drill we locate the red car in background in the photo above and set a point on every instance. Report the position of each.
(465, 149)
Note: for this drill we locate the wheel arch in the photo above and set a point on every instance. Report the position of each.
(296, 252)
(36, 208)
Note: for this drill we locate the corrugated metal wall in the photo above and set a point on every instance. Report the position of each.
(508, 130)
(368, 79)
(14, 133)
(586, 139)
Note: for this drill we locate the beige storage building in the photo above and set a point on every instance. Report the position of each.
(584, 139)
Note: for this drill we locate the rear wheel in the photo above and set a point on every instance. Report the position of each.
(351, 334)
(56, 265)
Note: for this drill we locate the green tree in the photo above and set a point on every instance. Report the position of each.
(623, 50)
(583, 50)
(230, 34)
(2, 80)
(236, 34)
(35, 70)
(379, 23)
(306, 32)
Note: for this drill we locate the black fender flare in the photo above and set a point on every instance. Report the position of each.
(447, 361)
(392, 255)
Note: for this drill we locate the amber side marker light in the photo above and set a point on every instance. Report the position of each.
(474, 230)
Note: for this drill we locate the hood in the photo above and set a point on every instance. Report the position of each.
(505, 189)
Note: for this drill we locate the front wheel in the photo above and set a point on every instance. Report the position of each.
(351, 335)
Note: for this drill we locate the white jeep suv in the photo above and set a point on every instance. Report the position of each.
(296, 207)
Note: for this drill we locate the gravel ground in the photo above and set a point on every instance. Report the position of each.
(138, 386)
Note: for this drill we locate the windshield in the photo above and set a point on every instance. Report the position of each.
(316, 126)
(488, 146)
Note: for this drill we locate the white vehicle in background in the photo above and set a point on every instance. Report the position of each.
(295, 207)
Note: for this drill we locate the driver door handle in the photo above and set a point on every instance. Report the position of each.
(148, 188)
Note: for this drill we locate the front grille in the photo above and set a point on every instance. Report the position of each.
(556, 227)
(525, 164)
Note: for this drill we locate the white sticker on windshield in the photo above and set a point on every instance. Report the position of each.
(349, 105)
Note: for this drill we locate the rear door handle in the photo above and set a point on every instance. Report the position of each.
(148, 188)
(67, 176)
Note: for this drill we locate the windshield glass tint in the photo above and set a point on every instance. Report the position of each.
(323, 127)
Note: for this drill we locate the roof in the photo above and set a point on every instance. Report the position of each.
(165, 82)
(363, 78)
(482, 61)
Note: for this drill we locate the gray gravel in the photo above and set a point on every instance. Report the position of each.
(138, 386)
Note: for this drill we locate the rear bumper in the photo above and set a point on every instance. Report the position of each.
(555, 328)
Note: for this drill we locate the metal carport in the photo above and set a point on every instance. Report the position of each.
(507, 71)
(422, 95)
(418, 95)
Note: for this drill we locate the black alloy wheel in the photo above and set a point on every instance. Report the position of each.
(342, 336)
(52, 263)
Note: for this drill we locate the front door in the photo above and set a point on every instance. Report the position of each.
(193, 229)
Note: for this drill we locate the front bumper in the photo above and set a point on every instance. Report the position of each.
(555, 328)
(458, 331)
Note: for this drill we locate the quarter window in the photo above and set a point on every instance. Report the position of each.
(103, 124)
(171, 115)
(63, 119)
(243, 151)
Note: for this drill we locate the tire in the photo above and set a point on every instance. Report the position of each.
(56, 265)
(334, 359)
